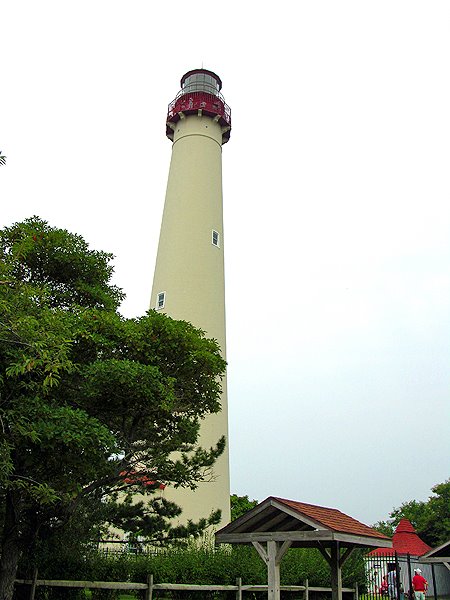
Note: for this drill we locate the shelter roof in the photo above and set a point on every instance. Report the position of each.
(404, 541)
(301, 523)
(330, 518)
(439, 554)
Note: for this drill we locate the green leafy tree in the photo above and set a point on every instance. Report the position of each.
(93, 407)
(431, 518)
(240, 505)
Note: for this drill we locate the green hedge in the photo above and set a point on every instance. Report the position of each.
(197, 565)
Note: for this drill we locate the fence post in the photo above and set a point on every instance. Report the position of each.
(410, 586)
(33, 583)
(239, 588)
(397, 576)
(149, 590)
(306, 590)
(356, 591)
(433, 575)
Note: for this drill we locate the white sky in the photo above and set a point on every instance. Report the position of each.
(336, 191)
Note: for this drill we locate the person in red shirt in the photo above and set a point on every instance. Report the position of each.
(420, 585)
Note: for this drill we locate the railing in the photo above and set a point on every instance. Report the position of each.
(194, 101)
(150, 587)
(389, 575)
(200, 90)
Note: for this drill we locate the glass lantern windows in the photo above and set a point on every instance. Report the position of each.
(201, 82)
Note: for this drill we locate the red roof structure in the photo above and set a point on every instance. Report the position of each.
(331, 518)
(302, 524)
(404, 541)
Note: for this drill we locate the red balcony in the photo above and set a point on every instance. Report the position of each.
(192, 102)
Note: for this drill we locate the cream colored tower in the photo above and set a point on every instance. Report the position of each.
(189, 280)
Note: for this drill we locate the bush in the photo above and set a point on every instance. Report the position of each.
(201, 565)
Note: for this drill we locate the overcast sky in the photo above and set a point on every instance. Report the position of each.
(336, 195)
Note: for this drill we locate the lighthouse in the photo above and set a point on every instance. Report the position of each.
(189, 280)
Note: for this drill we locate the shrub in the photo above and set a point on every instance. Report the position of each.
(201, 565)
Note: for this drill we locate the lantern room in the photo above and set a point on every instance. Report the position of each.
(201, 80)
(200, 95)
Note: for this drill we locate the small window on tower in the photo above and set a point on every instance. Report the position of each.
(215, 238)
(160, 300)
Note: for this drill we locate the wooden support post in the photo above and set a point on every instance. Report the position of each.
(239, 588)
(33, 583)
(336, 574)
(307, 589)
(272, 556)
(356, 591)
(149, 590)
(273, 572)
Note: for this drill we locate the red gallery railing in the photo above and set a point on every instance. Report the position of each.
(209, 104)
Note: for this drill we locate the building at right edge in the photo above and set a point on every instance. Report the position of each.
(189, 280)
(407, 553)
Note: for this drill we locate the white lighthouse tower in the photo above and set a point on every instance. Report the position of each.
(189, 282)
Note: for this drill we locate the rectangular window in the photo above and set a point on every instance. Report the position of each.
(215, 238)
(160, 300)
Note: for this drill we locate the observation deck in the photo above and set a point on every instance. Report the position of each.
(200, 94)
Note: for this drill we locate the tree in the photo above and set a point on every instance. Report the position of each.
(240, 505)
(431, 519)
(91, 404)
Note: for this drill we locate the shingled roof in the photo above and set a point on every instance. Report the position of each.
(332, 518)
(302, 524)
(404, 541)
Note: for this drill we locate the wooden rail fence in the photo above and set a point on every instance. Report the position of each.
(150, 587)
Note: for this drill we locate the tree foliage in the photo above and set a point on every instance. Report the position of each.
(92, 405)
(431, 518)
(240, 505)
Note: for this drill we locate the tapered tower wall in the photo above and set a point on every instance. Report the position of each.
(189, 273)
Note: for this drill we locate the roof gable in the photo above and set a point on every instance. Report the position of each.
(331, 518)
(279, 514)
(442, 551)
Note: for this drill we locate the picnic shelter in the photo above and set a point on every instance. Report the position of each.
(277, 524)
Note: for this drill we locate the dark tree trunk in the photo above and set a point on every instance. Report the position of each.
(10, 550)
